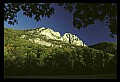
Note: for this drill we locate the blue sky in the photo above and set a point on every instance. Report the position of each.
(62, 21)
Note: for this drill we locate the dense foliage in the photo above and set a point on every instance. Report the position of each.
(22, 57)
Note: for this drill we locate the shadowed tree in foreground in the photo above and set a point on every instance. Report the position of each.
(84, 15)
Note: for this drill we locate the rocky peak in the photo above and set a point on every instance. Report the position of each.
(50, 34)
(72, 39)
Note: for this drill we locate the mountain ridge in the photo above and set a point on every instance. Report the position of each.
(36, 35)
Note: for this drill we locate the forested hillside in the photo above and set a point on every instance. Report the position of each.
(23, 57)
(110, 47)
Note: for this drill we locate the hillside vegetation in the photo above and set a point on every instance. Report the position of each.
(110, 47)
(22, 57)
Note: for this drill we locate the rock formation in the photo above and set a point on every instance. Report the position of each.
(44, 35)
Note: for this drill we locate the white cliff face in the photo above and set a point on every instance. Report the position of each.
(50, 34)
(72, 39)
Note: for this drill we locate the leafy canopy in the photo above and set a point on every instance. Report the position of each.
(84, 15)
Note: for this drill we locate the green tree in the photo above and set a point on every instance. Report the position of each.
(84, 15)
(19, 53)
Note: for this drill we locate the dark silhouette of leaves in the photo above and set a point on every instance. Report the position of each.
(29, 9)
(87, 13)
(84, 15)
